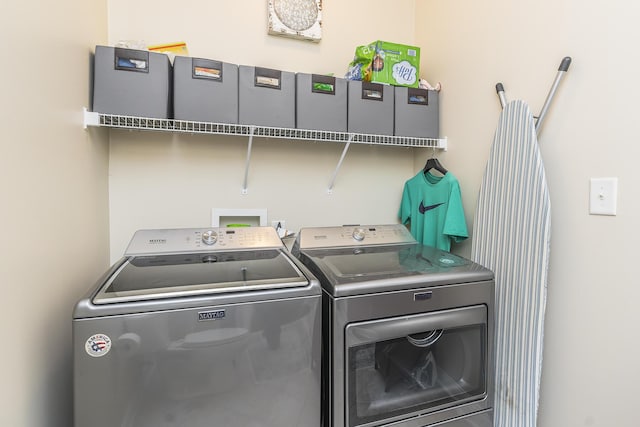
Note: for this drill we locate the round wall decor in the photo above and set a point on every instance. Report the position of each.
(300, 19)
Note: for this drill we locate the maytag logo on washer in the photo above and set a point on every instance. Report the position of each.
(204, 316)
(98, 345)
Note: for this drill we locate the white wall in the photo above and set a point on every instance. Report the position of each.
(53, 187)
(591, 368)
(170, 181)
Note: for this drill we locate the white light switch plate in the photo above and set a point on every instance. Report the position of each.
(603, 198)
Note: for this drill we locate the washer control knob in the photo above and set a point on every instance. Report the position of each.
(358, 234)
(209, 237)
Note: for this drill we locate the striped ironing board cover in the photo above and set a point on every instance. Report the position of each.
(512, 231)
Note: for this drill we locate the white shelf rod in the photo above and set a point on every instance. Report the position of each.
(185, 126)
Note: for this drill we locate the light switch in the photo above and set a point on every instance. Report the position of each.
(604, 195)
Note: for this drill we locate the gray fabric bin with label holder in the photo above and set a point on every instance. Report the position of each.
(321, 102)
(205, 90)
(417, 113)
(370, 108)
(132, 82)
(266, 97)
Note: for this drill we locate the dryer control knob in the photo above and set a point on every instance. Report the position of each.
(209, 237)
(358, 234)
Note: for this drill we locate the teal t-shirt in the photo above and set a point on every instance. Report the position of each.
(433, 205)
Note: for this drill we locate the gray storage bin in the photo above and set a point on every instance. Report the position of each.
(205, 90)
(266, 97)
(132, 82)
(370, 108)
(417, 113)
(321, 102)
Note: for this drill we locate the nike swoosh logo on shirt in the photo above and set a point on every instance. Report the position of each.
(424, 208)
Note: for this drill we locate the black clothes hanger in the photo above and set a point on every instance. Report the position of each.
(434, 163)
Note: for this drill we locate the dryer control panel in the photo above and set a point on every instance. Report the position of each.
(353, 235)
(146, 242)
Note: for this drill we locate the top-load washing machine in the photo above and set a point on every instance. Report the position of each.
(200, 328)
(407, 329)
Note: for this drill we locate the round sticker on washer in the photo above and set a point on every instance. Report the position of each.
(445, 260)
(98, 345)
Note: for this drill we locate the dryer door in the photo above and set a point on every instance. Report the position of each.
(403, 366)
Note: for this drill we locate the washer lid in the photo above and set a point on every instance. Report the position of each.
(187, 274)
(367, 269)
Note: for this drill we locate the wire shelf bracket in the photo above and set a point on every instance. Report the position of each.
(245, 189)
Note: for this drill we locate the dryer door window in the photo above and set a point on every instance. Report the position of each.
(415, 364)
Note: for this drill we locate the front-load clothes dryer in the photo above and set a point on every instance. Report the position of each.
(200, 328)
(407, 329)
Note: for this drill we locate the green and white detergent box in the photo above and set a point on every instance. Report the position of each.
(384, 62)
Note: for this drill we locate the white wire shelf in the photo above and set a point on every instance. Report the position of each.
(185, 126)
(250, 131)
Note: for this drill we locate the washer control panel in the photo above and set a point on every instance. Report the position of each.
(202, 239)
(354, 235)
